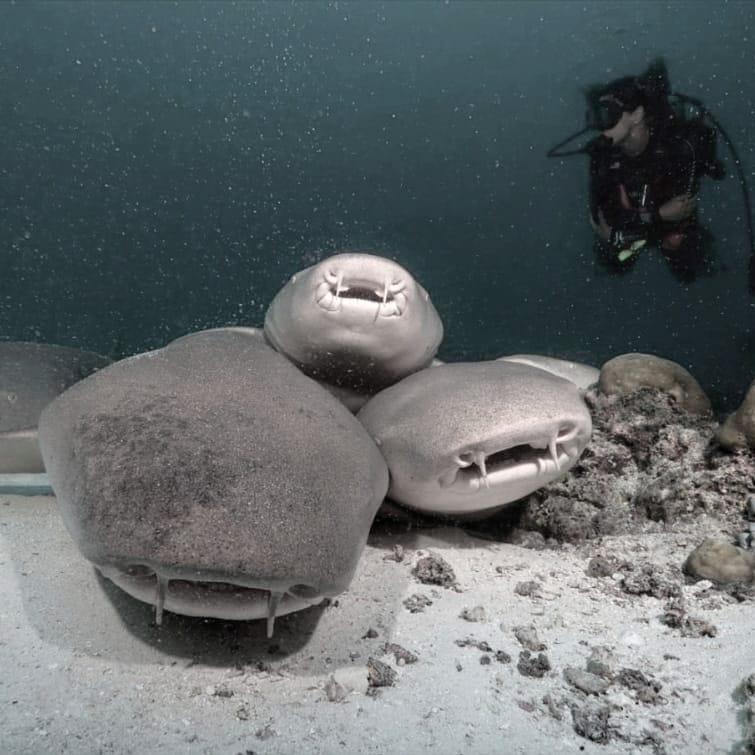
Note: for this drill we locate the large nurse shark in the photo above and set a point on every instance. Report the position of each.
(470, 437)
(357, 322)
(212, 478)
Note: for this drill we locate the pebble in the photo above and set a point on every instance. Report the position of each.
(585, 681)
(475, 614)
(536, 666)
(528, 638)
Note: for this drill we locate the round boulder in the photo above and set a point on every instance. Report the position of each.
(720, 561)
(738, 431)
(628, 373)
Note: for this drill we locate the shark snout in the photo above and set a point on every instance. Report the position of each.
(493, 462)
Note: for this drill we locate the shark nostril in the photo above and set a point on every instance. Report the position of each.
(139, 571)
(466, 459)
(566, 433)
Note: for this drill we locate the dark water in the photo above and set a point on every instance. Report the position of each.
(167, 166)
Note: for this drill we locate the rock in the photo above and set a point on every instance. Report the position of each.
(738, 431)
(629, 372)
(599, 668)
(592, 722)
(265, 733)
(433, 570)
(648, 461)
(533, 666)
(527, 539)
(470, 642)
(720, 561)
(397, 554)
(648, 579)
(527, 589)
(475, 614)
(380, 674)
(528, 638)
(585, 681)
(600, 660)
(335, 692)
(563, 518)
(603, 566)
(646, 689)
(399, 653)
(417, 603)
(659, 500)
(553, 707)
(676, 617)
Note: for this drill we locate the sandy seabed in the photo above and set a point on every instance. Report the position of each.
(85, 669)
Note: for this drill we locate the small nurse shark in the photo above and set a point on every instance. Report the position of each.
(582, 375)
(470, 437)
(31, 376)
(355, 322)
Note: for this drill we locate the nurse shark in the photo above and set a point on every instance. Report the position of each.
(212, 478)
(470, 437)
(31, 376)
(356, 322)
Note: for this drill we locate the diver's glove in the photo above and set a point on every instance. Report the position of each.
(626, 242)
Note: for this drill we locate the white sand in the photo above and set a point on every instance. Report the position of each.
(85, 670)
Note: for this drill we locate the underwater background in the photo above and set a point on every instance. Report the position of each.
(167, 166)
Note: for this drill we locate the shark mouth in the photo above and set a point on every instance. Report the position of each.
(480, 469)
(387, 296)
(222, 600)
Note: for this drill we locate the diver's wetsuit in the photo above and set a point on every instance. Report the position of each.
(629, 191)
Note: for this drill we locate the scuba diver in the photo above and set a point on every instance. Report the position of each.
(645, 171)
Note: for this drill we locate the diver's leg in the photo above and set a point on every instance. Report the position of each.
(690, 254)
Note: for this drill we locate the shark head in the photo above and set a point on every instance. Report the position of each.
(355, 320)
(467, 438)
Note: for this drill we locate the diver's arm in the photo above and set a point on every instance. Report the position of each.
(677, 208)
(684, 168)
